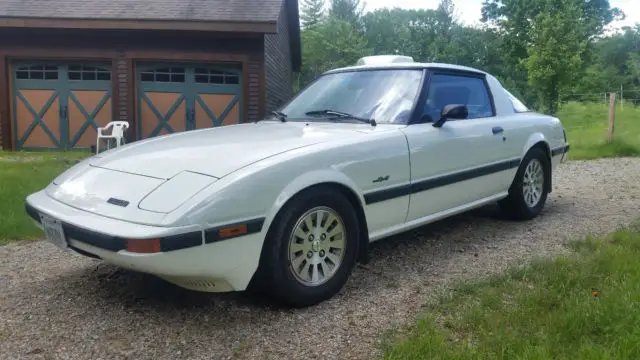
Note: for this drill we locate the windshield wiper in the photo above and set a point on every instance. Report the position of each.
(340, 114)
(279, 115)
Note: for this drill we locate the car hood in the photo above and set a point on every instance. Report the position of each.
(218, 151)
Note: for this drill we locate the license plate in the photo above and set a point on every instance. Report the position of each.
(53, 231)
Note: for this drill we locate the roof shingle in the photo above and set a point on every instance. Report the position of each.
(177, 10)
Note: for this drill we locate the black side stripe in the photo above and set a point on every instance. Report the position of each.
(559, 150)
(428, 184)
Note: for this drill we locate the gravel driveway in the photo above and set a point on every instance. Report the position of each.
(58, 305)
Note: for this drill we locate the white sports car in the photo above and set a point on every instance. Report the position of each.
(290, 203)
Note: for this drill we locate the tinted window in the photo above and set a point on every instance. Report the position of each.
(454, 89)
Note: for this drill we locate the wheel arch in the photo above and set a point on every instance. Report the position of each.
(538, 141)
(314, 180)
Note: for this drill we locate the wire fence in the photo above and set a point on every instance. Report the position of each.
(624, 97)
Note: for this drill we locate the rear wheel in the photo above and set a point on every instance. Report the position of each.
(311, 249)
(530, 188)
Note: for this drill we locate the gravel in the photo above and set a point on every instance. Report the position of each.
(56, 305)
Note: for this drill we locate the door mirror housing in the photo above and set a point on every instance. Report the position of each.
(452, 111)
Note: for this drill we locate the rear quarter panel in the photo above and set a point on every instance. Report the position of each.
(523, 130)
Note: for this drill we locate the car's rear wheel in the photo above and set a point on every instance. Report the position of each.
(311, 249)
(530, 188)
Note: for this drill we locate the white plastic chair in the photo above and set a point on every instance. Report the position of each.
(118, 129)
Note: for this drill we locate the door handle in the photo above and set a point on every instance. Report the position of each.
(497, 130)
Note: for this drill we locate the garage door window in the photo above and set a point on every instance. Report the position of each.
(90, 73)
(211, 76)
(164, 75)
(37, 72)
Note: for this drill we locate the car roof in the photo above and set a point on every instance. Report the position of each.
(407, 65)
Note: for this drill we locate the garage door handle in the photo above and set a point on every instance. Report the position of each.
(63, 112)
(497, 130)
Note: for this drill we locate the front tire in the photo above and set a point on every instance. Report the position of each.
(530, 188)
(312, 248)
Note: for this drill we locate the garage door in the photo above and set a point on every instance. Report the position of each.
(59, 105)
(175, 97)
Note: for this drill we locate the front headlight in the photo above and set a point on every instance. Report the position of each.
(175, 192)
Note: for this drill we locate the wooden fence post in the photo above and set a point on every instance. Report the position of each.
(612, 116)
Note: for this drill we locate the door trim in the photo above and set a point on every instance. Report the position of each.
(419, 186)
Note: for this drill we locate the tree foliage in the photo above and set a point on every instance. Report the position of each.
(539, 49)
(346, 10)
(311, 12)
(330, 44)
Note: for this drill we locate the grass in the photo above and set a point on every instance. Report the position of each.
(582, 306)
(587, 126)
(22, 173)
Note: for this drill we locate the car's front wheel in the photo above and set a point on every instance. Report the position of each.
(530, 188)
(311, 249)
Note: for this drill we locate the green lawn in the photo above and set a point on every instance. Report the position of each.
(587, 126)
(20, 175)
(582, 306)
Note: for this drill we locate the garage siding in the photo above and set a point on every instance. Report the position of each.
(277, 62)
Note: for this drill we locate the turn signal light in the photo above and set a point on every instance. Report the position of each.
(149, 246)
(233, 231)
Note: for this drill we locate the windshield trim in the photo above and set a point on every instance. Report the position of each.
(414, 108)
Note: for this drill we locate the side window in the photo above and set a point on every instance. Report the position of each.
(445, 89)
(518, 106)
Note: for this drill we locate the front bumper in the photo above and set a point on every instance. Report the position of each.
(560, 151)
(191, 257)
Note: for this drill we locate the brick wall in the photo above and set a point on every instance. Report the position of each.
(277, 63)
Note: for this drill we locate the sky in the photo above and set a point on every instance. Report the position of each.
(468, 11)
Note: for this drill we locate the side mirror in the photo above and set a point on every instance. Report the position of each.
(452, 111)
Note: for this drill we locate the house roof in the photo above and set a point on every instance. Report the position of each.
(257, 16)
(176, 10)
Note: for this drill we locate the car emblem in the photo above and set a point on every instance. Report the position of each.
(118, 202)
(381, 179)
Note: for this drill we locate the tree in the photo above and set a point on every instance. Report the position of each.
(311, 12)
(555, 54)
(634, 68)
(426, 35)
(549, 40)
(332, 43)
(347, 10)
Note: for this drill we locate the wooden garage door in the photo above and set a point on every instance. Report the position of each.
(182, 97)
(59, 105)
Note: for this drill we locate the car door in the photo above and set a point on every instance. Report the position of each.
(463, 161)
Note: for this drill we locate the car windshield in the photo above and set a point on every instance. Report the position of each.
(386, 96)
